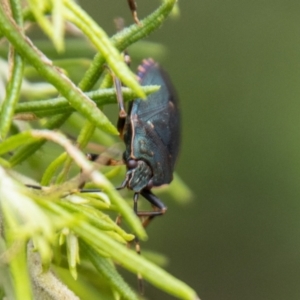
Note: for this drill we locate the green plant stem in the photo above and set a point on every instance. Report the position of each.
(84, 136)
(106, 268)
(25, 151)
(102, 242)
(14, 82)
(19, 271)
(75, 97)
(103, 44)
(126, 37)
(136, 263)
(12, 94)
(51, 169)
(82, 140)
(50, 107)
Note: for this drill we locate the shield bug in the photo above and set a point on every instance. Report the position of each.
(151, 132)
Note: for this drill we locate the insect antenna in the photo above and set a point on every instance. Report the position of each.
(133, 7)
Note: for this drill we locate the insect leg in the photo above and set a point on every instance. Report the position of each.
(158, 205)
(118, 88)
(133, 7)
(32, 186)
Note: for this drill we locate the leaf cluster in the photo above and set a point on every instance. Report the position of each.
(56, 228)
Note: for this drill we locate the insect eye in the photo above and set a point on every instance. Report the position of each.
(132, 164)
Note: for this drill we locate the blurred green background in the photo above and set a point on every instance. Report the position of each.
(236, 66)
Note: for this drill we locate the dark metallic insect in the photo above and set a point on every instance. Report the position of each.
(151, 132)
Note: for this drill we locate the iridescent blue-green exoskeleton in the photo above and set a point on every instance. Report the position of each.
(151, 132)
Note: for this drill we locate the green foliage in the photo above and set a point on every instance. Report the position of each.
(57, 227)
